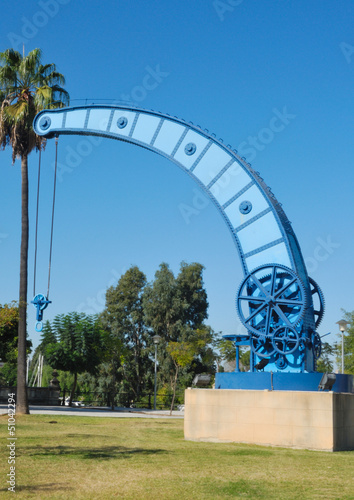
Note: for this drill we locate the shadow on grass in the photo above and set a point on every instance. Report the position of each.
(105, 452)
(86, 436)
(41, 487)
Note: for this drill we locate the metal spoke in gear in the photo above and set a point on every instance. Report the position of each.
(285, 287)
(270, 303)
(285, 340)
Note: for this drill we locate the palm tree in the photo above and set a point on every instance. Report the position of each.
(26, 87)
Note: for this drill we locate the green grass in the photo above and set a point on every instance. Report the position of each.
(65, 457)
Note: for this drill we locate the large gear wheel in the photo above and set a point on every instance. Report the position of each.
(318, 301)
(262, 347)
(285, 340)
(271, 296)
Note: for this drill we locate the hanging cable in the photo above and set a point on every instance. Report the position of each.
(40, 301)
(52, 227)
(36, 235)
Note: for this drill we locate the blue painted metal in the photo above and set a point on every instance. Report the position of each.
(40, 302)
(190, 149)
(258, 225)
(45, 123)
(280, 381)
(122, 122)
(271, 305)
(245, 207)
(271, 296)
(316, 344)
(318, 302)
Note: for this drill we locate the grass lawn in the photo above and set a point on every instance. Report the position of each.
(102, 458)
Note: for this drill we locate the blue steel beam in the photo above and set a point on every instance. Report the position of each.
(258, 225)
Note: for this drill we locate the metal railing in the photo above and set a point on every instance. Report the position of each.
(122, 399)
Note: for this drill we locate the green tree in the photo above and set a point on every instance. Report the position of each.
(227, 350)
(162, 306)
(192, 295)
(175, 309)
(348, 345)
(184, 352)
(325, 361)
(227, 353)
(26, 87)
(172, 303)
(245, 359)
(8, 375)
(8, 332)
(97, 388)
(74, 345)
(9, 343)
(126, 338)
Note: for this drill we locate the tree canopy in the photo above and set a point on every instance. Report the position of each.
(8, 337)
(26, 87)
(114, 352)
(73, 343)
(126, 338)
(8, 332)
(175, 310)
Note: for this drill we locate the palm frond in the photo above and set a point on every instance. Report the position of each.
(50, 78)
(32, 61)
(43, 97)
(26, 87)
(8, 77)
(15, 113)
(60, 94)
(46, 68)
(11, 58)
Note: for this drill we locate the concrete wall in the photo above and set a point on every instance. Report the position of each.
(294, 419)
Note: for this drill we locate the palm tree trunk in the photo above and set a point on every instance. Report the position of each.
(21, 399)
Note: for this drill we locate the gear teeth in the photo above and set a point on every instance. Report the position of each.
(317, 290)
(280, 270)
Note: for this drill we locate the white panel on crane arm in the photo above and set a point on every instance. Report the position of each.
(168, 136)
(233, 180)
(261, 232)
(259, 203)
(198, 140)
(278, 254)
(129, 115)
(99, 119)
(210, 165)
(145, 128)
(76, 118)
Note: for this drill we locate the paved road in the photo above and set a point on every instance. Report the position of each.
(99, 412)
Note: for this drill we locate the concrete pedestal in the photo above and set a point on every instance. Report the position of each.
(293, 419)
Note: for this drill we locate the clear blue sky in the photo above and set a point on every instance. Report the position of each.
(228, 66)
